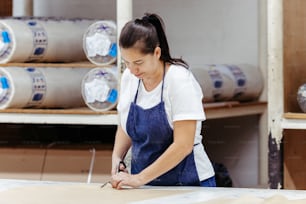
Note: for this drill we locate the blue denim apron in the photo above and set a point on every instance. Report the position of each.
(151, 135)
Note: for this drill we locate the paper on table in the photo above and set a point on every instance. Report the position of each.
(235, 195)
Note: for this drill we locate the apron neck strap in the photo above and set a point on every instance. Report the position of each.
(162, 90)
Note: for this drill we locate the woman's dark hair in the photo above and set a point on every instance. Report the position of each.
(146, 34)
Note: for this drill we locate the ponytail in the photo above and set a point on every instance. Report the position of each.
(149, 31)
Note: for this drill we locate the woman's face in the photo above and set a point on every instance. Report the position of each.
(141, 65)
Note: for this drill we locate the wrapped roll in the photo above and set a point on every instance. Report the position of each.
(42, 39)
(24, 87)
(215, 86)
(99, 43)
(224, 82)
(100, 89)
(301, 97)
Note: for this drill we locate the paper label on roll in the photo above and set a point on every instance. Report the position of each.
(40, 40)
(39, 87)
(240, 79)
(217, 83)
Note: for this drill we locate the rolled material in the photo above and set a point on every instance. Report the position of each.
(25, 87)
(42, 39)
(224, 82)
(301, 97)
(215, 86)
(99, 43)
(100, 89)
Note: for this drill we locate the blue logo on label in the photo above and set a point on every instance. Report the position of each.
(4, 83)
(5, 37)
(112, 98)
(39, 51)
(218, 84)
(113, 50)
(32, 23)
(30, 69)
(37, 97)
(241, 82)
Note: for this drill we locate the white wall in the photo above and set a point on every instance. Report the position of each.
(234, 143)
(202, 32)
(208, 31)
(100, 9)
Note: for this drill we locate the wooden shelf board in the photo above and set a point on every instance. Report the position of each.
(81, 115)
(291, 115)
(292, 120)
(85, 115)
(83, 64)
(76, 111)
(234, 109)
(80, 119)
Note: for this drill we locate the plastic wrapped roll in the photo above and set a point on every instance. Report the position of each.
(45, 87)
(301, 97)
(224, 82)
(99, 43)
(100, 89)
(215, 86)
(42, 40)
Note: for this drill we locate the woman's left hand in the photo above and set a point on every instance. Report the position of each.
(124, 179)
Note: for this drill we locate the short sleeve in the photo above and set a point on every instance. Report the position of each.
(185, 95)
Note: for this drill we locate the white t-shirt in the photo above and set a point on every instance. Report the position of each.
(182, 96)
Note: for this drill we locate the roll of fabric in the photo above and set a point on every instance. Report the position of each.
(100, 88)
(225, 82)
(42, 39)
(99, 43)
(41, 87)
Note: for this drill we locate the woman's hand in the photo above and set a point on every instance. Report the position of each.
(124, 179)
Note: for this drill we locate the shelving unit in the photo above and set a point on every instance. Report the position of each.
(86, 116)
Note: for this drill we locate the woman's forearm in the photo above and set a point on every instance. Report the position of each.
(121, 147)
(181, 147)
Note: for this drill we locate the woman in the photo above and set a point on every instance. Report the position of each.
(161, 113)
